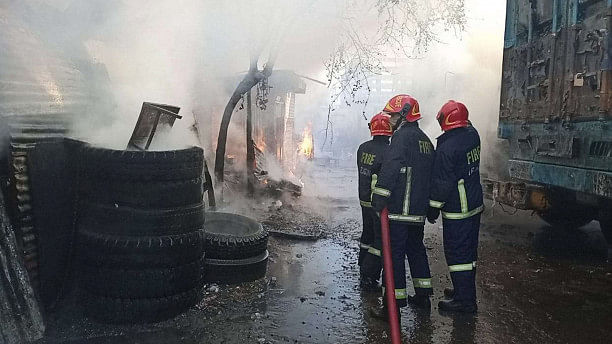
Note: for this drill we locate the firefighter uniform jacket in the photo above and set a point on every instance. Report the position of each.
(369, 159)
(405, 175)
(456, 187)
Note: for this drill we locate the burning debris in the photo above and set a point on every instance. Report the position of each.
(273, 179)
(306, 147)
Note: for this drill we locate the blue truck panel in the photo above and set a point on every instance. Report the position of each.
(556, 100)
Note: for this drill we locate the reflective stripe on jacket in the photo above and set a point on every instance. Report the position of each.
(456, 187)
(405, 174)
(369, 159)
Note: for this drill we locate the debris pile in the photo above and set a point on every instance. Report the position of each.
(295, 222)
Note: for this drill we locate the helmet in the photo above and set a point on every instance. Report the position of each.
(406, 106)
(453, 115)
(380, 125)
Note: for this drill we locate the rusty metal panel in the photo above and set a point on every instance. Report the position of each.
(151, 117)
(557, 146)
(557, 74)
(594, 182)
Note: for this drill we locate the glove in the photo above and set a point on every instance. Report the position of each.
(378, 203)
(432, 214)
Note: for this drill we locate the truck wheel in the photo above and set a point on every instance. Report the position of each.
(113, 251)
(142, 282)
(605, 222)
(231, 236)
(139, 311)
(114, 165)
(144, 194)
(128, 221)
(234, 271)
(567, 217)
(565, 212)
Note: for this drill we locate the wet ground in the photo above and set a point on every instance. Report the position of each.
(535, 285)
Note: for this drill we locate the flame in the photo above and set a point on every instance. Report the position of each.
(306, 147)
(260, 144)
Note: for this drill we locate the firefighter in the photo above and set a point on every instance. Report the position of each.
(457, 193)
(403, 187)
(369, 159)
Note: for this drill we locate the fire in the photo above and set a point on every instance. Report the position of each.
(306, 147)
(260, 144)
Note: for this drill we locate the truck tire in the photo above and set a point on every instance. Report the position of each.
(605, 223)
(142, 283)
(128, 221)
(142, 165)
(145, 194)
(139, 252)
(141, 310)
(232, 236)
(565, 212)
(562, 218)
(234, 271)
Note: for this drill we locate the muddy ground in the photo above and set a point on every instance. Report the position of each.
(536, 284)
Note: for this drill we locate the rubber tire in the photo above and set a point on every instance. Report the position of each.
(151, 194)
(565, 212)
(139, 311)
(142, 165)
(142, 283)
(566, 218)
(605, 223)
(139, 252)
(226, 271)
(230, 246)
(127, 221)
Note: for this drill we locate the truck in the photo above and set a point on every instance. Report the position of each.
(556, 112)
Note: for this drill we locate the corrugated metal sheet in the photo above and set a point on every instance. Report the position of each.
(40, 93)
(35, 78)
(20, 317)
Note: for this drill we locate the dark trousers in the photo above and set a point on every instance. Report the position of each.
(461, 251)
(370, 246)
(407, 242)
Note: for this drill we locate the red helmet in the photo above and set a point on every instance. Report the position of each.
(406, 106)
(453, 115)
(380, 125)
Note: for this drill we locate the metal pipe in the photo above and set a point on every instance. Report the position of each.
(575, 7)
(605, 98)
(389, 282)
(555, 14)
(530, 26)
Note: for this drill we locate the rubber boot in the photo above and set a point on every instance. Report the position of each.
(449, 293)
(419, 301)
(457, 306)
(369, 285)
(382, 313)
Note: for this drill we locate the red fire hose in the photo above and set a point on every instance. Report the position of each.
(389, 282)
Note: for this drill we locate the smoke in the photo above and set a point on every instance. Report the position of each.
(193, 53)
(465, 67)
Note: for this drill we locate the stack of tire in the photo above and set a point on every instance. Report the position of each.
(140, 234)
(236, 248)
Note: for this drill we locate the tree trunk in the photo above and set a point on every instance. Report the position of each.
(250, 153)
(245, 85)
(252, 78)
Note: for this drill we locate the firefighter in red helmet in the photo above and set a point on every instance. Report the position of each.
(403, 187)
(369, 159)
(456, 192)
